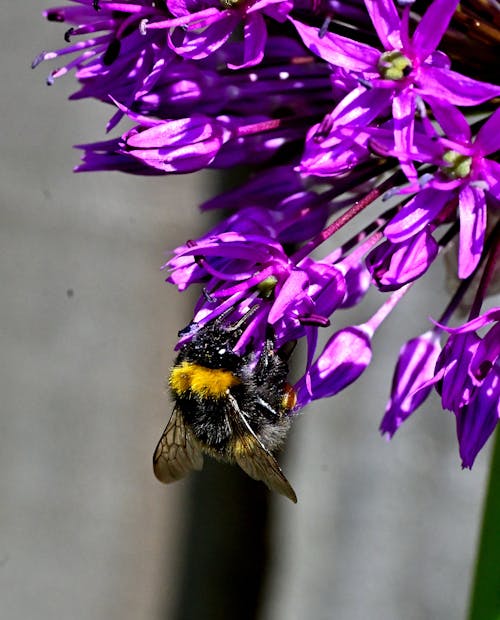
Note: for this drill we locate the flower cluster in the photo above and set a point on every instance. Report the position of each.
(333, 106)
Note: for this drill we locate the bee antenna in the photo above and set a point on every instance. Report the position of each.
(208, 296)
(242, 320)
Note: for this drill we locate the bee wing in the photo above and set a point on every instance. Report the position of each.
(177, 452)
(254, 459)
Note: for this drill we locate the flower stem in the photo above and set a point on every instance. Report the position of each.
(487, 273)
(346, 217)
(387, 307)
(485, 596)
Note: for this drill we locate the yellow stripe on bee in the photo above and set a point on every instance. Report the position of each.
(206, 382)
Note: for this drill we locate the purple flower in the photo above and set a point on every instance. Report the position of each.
(201, 28)
(465, 174)
(329, 151)
(409, 67)
(182, 145)
(414, 368)
(329, 128)
(393, 264)
(117, 61)
(467, 377)
(250, 266)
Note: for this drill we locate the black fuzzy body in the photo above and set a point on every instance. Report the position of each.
(260, 393)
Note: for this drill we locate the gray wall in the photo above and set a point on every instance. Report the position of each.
(87, 329)
(87, 332)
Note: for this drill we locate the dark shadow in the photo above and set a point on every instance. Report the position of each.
(226, 550)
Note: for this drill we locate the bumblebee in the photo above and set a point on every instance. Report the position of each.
(228, 406)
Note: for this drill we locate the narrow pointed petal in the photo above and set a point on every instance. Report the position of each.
(416, 214)
(295, 286)
(338, 50)
(487, 354)
(477, 421)
(403, 111)
(453, 365)
(455, 88)
(393, 265)
(487, 140)
(344, 358)
(386, 20)
(472, 208)
(254, 37)
(432, 26)
(451, 120)
(415, 366)
(198, 45)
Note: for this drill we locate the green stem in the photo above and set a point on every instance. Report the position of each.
(485, 598)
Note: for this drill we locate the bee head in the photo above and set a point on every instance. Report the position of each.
(212, 345)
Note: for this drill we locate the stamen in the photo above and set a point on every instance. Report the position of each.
(324, 27)
(267, 286)
(231, 4)
(456, 165)
(394, 65)
(55, 16)
(39, 59)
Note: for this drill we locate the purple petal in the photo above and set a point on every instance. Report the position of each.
(415, 366)
(254, 36)
(491, 174)
(487, 140)
(477, 421)
(472, 209)
(327, 288)
(293, 289)
(486, 354)
(386, 21)
(277, 9)
(454, 88)
(357, 280)
(184, 130)
(471, 326)
(416, 214)
(344, 358)
(439, 59)
(403, 112)
(453, 365)
(393, 265)
(338, 50)
(432, 26)
(359, 107)
(198, 45)
(452, 121)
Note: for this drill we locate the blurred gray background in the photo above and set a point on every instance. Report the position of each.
(381, 530)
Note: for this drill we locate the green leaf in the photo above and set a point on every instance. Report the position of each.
(485, 598)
